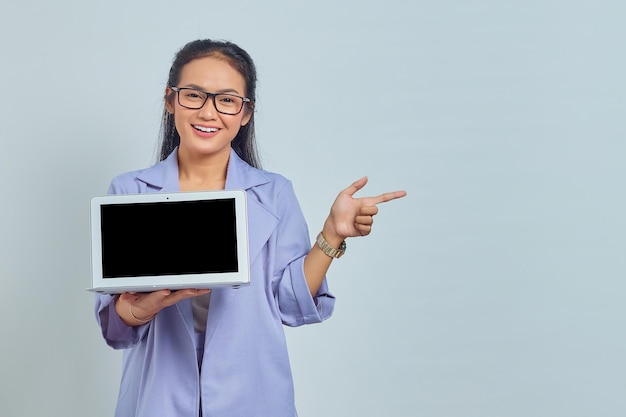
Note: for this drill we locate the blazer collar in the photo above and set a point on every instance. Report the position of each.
(239, 175)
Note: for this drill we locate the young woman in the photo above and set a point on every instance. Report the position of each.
(223, 352)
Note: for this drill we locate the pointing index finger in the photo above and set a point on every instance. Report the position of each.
(383, 198)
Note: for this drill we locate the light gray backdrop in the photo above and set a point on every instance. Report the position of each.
(495, 288)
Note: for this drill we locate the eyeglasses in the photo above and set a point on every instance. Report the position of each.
(192, 98)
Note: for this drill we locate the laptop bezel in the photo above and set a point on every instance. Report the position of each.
(110, 285)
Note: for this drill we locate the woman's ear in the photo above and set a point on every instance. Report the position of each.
(169, 100)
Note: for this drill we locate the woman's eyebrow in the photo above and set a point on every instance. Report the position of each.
(222, 91)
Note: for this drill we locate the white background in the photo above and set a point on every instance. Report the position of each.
(495, 288)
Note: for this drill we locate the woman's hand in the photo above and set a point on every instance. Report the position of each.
(139, 308)
(351, 216)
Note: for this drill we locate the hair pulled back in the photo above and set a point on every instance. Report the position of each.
(244, 143)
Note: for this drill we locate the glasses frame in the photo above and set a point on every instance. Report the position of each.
(177, 90)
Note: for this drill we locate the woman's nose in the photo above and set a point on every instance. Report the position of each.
(208, 110)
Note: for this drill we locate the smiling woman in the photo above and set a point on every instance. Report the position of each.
(223, 351)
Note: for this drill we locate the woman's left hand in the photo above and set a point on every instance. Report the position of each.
(350, 216)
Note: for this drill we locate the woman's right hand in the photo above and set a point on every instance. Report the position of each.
(136, 308)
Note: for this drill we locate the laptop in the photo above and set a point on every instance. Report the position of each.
(154, 241)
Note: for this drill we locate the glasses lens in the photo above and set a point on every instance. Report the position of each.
(228, 104)
(192, 99)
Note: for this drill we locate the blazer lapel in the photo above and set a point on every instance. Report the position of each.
(162, 177)
(261, 221)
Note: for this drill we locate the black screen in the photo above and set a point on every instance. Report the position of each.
(169, 238)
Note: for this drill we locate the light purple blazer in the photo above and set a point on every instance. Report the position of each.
(245, 372)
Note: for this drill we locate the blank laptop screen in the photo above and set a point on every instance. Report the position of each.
(169, 238)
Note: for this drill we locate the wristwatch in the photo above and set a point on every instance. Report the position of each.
(329, 250)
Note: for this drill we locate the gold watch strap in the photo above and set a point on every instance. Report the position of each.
(329, 250)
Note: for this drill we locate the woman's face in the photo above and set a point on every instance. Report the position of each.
(206, 132)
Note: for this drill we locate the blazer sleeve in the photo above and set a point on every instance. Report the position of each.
(296, 305)
(116, 333)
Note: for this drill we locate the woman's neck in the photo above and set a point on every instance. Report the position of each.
(202, 173)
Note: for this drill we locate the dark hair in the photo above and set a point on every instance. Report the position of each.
(244, 143)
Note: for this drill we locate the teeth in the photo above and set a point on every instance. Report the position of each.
(205, 129)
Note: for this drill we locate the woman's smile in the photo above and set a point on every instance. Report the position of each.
(206, 131)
